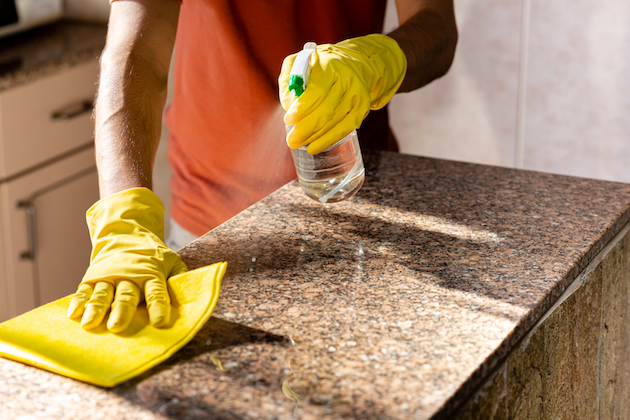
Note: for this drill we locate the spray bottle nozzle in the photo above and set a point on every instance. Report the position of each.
(300, 70)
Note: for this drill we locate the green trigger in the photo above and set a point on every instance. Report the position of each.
(296, 84)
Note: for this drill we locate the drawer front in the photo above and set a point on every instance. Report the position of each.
(46, 118)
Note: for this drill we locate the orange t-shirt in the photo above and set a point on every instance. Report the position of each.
(227, 146)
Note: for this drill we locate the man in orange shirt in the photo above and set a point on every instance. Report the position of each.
(226, 121)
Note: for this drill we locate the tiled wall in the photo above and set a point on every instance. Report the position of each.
(537, 84)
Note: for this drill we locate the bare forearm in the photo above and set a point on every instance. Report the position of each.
(130, 101)
(428, 37)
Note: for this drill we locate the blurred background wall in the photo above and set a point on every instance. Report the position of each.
(536, 84)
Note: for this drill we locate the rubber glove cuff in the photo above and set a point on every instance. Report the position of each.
(387, 65)
(127, 232)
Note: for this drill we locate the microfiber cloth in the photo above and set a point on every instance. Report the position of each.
(47, 339)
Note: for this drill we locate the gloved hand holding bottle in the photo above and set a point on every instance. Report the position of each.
(347, 80)
(129, 262)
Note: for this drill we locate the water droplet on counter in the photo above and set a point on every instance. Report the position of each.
(208, 342)
(254, 259)
(251, 269)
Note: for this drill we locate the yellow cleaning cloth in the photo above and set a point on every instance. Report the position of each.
(47, 339)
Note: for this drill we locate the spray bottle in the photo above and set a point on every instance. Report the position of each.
(337, 173)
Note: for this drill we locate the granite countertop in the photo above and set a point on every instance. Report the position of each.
(27, 56)
(393, 305)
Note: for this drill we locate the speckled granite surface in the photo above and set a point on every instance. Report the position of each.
(394, 305)
(27, 56)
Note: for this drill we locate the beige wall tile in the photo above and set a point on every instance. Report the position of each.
(577, 115)
(470, 114)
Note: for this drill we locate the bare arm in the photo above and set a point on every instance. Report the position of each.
(127, 224)
(132, 91)
(427, 35)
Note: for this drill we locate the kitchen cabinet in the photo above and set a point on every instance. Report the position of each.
(46, 241)
(47, 182)
(46, 119)
(4, 309)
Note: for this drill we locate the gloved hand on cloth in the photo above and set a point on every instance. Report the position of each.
(129, 262)
(347, 80)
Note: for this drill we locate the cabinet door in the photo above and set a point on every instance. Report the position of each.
(63, 243)
(4, 308)
(46, 119)
(47, 241)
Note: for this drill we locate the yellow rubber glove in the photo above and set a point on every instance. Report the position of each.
(129, 257)
(347, 79)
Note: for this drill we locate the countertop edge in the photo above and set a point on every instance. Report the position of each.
(23, 77)
(475, 381)
(50, 49)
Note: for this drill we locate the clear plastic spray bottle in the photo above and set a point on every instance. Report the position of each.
(337, 173)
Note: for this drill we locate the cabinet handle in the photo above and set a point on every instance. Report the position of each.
(73, 111)
(30, 254)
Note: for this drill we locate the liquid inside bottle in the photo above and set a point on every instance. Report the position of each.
(333, 175)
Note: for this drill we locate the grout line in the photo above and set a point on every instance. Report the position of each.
(519, 147)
